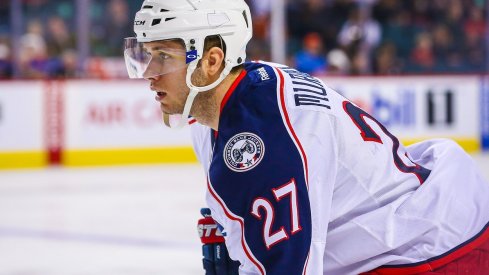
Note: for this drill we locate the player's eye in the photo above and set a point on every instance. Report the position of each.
(164, 56)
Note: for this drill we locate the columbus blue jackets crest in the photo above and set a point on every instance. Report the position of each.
(243, 152)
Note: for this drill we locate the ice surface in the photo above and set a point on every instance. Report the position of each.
(122, 220)
(137, 220)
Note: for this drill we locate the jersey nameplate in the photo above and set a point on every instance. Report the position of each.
(309, 92)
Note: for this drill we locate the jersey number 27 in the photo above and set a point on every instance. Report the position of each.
(288, 189)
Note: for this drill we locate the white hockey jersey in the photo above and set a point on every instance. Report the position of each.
(303, 181)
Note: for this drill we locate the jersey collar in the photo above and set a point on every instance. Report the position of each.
(228, 94)
(232, 89)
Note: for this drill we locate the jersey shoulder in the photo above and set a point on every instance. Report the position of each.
(255, 96)
(260, 76)
(301, 91)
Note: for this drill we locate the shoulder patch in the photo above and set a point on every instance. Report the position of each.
(243, 152)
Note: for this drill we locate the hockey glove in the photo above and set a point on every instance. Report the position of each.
(216, 260)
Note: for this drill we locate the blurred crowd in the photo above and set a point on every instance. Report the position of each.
(347, 37)
(384, 37)
(48, 46)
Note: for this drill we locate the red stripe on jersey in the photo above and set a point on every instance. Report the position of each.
(248, 254)
(192, 121)
(232, 88)
(456, 253)
(229, 93)
(289, 125)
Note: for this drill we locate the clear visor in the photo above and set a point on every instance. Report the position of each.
(151, 59)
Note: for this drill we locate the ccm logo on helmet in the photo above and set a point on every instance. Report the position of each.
(139, 23)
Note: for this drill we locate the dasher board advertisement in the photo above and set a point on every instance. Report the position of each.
(118, 122)
(22, 124)
(416, 108)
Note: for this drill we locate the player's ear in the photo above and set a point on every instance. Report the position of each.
(213, 62)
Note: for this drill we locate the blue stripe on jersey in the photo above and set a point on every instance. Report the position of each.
(253, 109)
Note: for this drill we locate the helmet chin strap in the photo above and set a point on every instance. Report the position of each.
(194, 90)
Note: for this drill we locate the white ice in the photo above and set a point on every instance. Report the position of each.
(137, 220)
(106, 221)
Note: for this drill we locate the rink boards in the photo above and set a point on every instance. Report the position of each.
(111, 122)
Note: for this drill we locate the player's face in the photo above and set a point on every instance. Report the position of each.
(171, 88)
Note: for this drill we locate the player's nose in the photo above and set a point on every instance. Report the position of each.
(152, 78)
(151, 73)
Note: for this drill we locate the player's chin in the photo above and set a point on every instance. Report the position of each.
(169, 110)
(165, 110)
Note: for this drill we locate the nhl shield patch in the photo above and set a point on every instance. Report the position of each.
(243, 152)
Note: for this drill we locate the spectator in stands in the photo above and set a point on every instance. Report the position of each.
(360, 64)
(259, 46)
(361, 29)
(34, 61)
(422, 57)
(454, 19)
(443, 45)
(58, 37)
(317, 16)
(475, 51)
(4, 17)
(386, 61)
(475, 23)
(118, 25)
(360, 34)
(109, 30)
(422, 15)
(401, 32)
(338, 62)
(35, 27)
(261, 18)
(69, 63)
(311, 59)
(384, 11)
(474, 46)
(61, 47)
(5, 61)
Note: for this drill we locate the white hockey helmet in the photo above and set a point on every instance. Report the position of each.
(190, 21)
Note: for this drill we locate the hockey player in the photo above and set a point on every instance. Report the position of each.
(299, 179)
